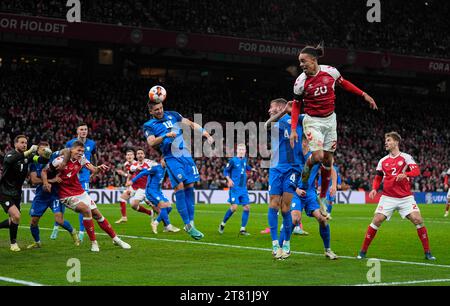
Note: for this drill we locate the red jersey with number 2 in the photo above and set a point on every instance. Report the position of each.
(392, 166)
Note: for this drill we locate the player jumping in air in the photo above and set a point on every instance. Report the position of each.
(153, 193)
(315, 89)
(164, 131)
(236, 175)
(126, 195)
(72, 194)
(396, 168)
(43, 199)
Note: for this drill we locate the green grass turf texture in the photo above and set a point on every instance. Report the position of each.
(163, 260)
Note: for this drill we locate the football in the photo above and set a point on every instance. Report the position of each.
(157, 94)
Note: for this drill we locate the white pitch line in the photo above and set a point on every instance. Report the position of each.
(264, 249)
(445, 280)
(18, 281)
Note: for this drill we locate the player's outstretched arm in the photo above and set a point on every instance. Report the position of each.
(197, 127)
(96, 169)
(144, 172)
(350, 87)
(287, 109)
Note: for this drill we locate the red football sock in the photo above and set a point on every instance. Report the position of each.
(325, 175)
(89, 228)
(144, 210)
(123, 208)
(370, 234)
(106, 227)
(423, 236)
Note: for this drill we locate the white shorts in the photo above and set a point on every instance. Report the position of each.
(72, 202)
(137, 195)
(321, 133)
(388, 205)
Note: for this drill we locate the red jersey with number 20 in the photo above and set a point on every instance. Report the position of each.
(392, 166)
(318, 91)
(70, 185)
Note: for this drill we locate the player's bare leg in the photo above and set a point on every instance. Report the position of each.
(417, 220)
(324, 230)
(372, 229)
(274, 207)
(106, 227)
(124, 197)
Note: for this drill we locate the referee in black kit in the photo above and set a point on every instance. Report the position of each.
(15, 170)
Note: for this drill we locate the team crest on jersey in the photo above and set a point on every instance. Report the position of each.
(88, 148)
(170, 117)
(179, 176)
(325, 80)
(400, 163)
(289, 121)
(310, 86)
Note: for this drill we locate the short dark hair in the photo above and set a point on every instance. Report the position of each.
(150, 104)
(129, 150)
(394, 135)
(16, 139)
(316, 52)
(78, 143)
(43, 143)
(140, 149)
(82, 124)
(279, 101)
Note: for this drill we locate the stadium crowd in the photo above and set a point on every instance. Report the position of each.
(412, 27)
(48, 104)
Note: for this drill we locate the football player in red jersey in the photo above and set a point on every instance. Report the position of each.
(126, 195)
(72, 194)
(396, 168)
(138, 188)
(448, 192)
(314, 88)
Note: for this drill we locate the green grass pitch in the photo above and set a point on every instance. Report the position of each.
(229, 259)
